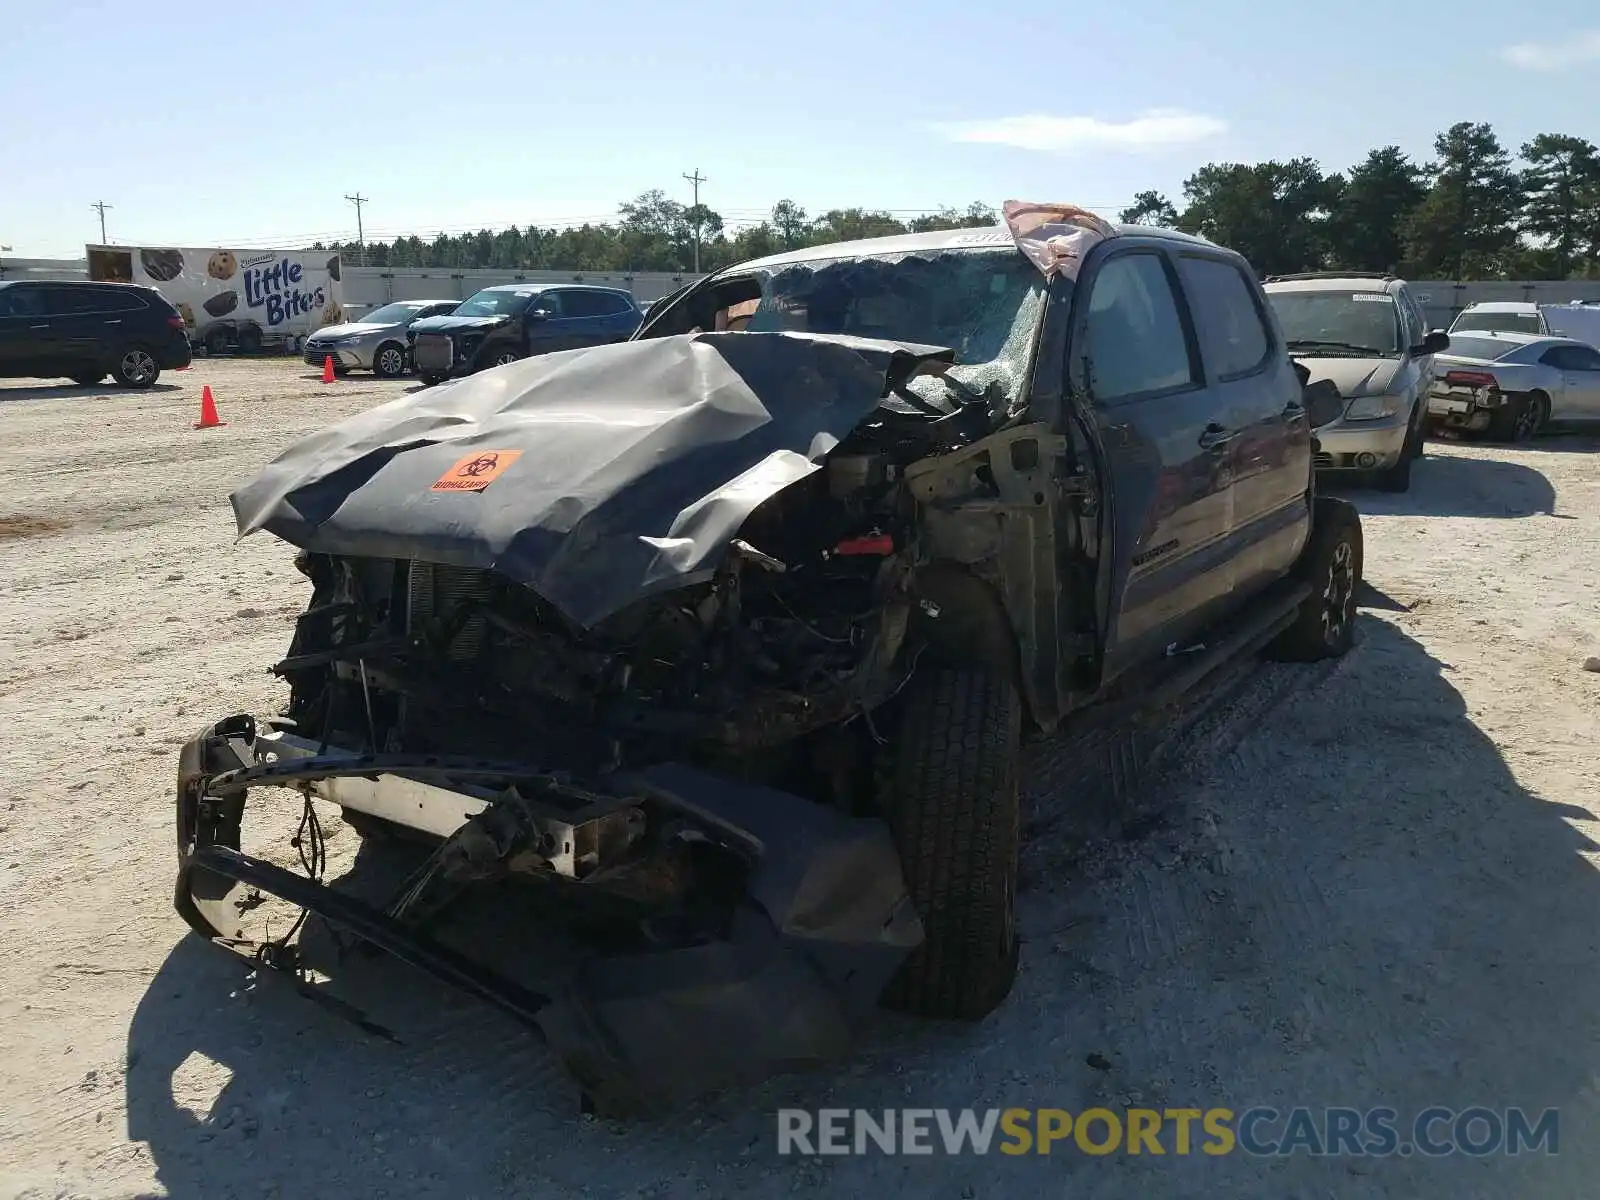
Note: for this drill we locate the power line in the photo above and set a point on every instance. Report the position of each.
(100, 206)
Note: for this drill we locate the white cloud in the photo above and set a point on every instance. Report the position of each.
(1555, 56)
(1157, 129)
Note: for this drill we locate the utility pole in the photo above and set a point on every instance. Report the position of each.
(100, 206)
(361, 238)
(696, 180)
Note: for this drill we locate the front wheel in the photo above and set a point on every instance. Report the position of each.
(390, 361)
(948, 788)
(501, 358)
(136, 368)
(431, 378)
(1325, 623)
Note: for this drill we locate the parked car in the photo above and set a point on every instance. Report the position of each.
(502, 324)
(1576, 320)
(734, 636)
(1510, 385)
(376, 342)
(84, 331)
(1366, 333)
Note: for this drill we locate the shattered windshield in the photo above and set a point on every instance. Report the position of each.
(1351, 322)
(493, 304)
(983, 304)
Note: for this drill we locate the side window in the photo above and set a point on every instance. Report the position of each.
(593, 304)
(1584, 358)
(1410, 323)
(1557, 356)
(21, 302)
(552, 303)
(91, 301)
(1134, 332)
(1233, 337)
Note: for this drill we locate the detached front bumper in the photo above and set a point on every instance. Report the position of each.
(823, 923)
(1361, 445)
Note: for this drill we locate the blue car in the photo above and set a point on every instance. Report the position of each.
(511, 321)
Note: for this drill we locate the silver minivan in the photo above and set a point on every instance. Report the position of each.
(1366, 333)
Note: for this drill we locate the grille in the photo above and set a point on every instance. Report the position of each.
(434, 590)
(433, 351)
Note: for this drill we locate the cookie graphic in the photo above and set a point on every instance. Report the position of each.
(222, 264)
(161, 265)
(333, 314)
(334, 268)
(222, 304)
(186, 313)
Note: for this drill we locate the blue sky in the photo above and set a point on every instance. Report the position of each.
(247, 124)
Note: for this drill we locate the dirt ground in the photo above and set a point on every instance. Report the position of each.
(1359, 884)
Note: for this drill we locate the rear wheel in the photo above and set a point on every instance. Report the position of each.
(430, 378)
(216, 341)
(948, 788)
(1325, 624)
(136, 368)
(249, 339)
(1522, 419)
(389, 362)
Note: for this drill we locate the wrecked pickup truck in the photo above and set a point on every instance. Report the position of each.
(730, 638)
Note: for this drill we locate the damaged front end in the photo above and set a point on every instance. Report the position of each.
(615, 629)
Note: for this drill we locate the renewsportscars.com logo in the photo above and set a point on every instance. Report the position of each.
(1262, 1131)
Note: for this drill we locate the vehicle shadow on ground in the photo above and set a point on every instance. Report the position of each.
(1445, 485)
(72, 391)
(1312, 884)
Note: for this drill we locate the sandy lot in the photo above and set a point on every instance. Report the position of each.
(1368, 883)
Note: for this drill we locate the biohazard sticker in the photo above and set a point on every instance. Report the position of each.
(476, 471)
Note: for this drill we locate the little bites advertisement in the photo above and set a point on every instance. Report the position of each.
(283, 292)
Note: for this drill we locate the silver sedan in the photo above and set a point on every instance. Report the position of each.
(377, 342)
(1510, 385)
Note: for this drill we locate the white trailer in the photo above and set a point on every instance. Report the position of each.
(244, 300)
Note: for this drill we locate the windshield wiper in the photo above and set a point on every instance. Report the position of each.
(1295, 343)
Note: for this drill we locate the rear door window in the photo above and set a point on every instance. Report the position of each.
(1135, 331)
(1233, 333)
(21, 302)
(593, 304)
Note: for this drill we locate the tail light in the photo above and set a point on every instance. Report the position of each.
(1472, 379)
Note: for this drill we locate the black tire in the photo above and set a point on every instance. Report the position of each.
(249, 339)
(87, 378)
(389, 361)
(948, 788)
(431, 378)
(1522, 419)
(1325, 625)
(500, 357)
(135, 367)
(216, 341)
(1417, 437)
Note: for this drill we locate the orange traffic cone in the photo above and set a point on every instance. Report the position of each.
(327, 368)
(208, 410)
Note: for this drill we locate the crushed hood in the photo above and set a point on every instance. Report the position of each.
(592, 476)
(1352, 376)
(452, 324)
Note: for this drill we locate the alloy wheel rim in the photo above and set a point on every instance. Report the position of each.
(137, 365)
(1338, 593)
(1528, 420)
(389, 360)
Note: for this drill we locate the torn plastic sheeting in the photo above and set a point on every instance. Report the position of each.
(1055, 237)
(637, 462)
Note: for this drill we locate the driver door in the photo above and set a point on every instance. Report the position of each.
(1580, 375)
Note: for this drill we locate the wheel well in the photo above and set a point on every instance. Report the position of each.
(961, 621)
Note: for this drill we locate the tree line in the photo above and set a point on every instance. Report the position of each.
(1471, 212)
(652, 233)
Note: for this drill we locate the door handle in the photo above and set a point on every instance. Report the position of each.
(1293, 411)
(118, 321)
(44, 326)
(1215, 437)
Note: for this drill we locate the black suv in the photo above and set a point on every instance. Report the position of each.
(84, 331)
(515, 320)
